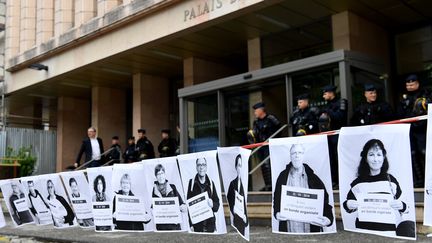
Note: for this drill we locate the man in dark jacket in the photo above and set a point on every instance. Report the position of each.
(130, 154)
(92, 147)
(305, 118)
(168, 146)
(299, 174)
(144, 147)
(199, 184)
(239, 221)
(115, 154)
(18, 197)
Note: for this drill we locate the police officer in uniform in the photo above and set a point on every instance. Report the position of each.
(144, 147)
(130, 154)
(264, 126)
(168, 146)
(305, 118)
(115, 153)
(414, 103)
(334, 115)
(371, 111)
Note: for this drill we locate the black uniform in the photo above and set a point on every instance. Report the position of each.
(372, 113)
(409, 107)
(336, 109)
(130, 155)
(115, 154)
(305, 121)
(145, 149)
(167, 147)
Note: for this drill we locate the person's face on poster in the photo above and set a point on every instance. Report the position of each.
(50, 187)
(125, 185)
(74, 188)
(31, 188)
(375, 159)
(201, 167)
(160, 177)
(297, 155)
(15, 189)
(100, 186)
(239, 166)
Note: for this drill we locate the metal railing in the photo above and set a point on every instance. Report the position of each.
(88, 162)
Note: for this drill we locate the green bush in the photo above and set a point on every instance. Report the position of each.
(24, 158)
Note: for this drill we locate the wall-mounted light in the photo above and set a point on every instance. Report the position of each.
(38, 66)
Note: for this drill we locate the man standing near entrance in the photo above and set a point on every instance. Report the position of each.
(305, 118)
(92, 147)
(264, 126)
(334, 115)
(414, 103)
(371, 111)
(144, 147)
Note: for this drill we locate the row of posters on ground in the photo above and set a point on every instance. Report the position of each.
(184, 193)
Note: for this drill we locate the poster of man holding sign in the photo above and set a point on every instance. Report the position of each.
(234, 163)
(302, 196)
(38, 205)
(16, 202)
(131, 206)
(376, 189)
(200, 179)
(428, 177)
(163, 183)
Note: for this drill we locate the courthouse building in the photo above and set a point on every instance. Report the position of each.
(120, 65)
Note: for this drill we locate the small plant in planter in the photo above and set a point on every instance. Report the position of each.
(24, 158)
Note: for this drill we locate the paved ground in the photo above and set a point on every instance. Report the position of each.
(36, 234)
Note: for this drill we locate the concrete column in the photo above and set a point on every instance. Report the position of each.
(13, 19)
(150, 105)
(28, 24)
(73, 119)
(84, 11)
(63, 16)
(198, 71)
(104, 6)
(254, 54)
(109, 113)
(44, 20)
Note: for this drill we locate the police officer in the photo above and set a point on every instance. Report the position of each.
(371, 111)
(130, 154)
(264, 126)
(144, 147)
(115, 153)
(414, 103)
(333, 116)
(305, 118)
(168, 146)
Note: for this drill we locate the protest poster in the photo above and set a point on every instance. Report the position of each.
(16, 202)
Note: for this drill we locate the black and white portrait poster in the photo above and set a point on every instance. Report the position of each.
(427, 217)
(131, 203)
(375, 180)
(61, 211)
(37, 196)
(202, 187)
(16, 202)
(164, 186)
(302, 188)
(2, 219)
(234, 165)
(101, 197)
(77, 189)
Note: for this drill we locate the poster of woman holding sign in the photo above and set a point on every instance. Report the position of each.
(16, 202)
(169, 208)
(101, 190)
(38, 205)
(130, 205)
(376, 181)
(62, 213)
(200, 178)
(302, 196)
(234, 163)
(78, 191)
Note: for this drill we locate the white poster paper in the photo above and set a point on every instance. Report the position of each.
(234, 165)
(377, 160)
(200, 170)
(428, 177)
(164, 187)
(62, 214)
(37, 199)
(132, 206)
(302, 164)
(199, 208)
(375, 207)
(16, 202)
(301, 204)
(2, 219)
(102, 197)
(78, 191)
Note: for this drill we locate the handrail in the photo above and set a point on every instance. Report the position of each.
(88, 162)
(272, 136)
